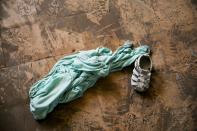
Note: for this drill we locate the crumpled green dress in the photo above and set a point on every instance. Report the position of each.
(72, 75)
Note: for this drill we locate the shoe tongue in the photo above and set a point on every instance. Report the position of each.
(143, 71)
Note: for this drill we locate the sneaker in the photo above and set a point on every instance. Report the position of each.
(141, 73)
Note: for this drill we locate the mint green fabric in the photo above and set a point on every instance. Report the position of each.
(72, 75)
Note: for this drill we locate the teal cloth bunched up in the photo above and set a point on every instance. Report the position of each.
(72, 75)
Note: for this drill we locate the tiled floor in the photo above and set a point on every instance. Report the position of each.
(36, 33)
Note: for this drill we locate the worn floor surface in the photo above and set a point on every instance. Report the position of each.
(36, 33)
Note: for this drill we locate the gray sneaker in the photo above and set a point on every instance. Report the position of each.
(141, 73)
